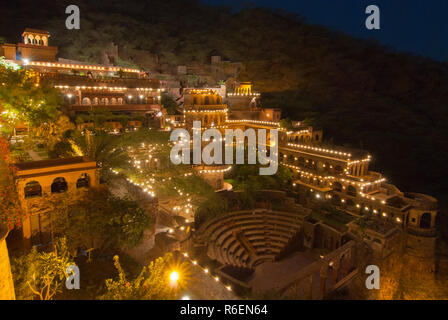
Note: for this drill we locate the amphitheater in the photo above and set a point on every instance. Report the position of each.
(246, 239)
(245, 244)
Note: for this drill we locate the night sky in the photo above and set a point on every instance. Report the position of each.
(417, 26)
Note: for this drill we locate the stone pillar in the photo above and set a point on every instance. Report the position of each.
(336, 266)
(6, 283)
(310, 288)
(323, 280)
(26, 231)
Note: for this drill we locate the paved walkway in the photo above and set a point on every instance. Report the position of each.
(34, 155)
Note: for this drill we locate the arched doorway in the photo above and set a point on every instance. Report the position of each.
(83, 181)
(425, 221)
(337, 186)
(33, 189)
(59, 185)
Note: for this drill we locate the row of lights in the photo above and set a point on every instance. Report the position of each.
(201, 91)
(306, 172)
(298, 132)
(107, 88)
(277, 124)
(205, 111)
(363, 184)
(216, 170)
(244, 94)
(80, 66)
(207, 271)
(384, 214)
(306, 147)
(360, 161)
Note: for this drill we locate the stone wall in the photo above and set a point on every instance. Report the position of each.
(6, 283)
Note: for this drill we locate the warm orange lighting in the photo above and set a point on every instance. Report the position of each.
(174, 276)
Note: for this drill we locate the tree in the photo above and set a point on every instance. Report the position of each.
(100, 220)
(286, 123)
(41, 274)
(11, 212)
(170, 105)
(153, 282)
(102, 147)
(25, 98)
(54, 131)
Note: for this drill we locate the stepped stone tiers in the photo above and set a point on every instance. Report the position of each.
(250, 237)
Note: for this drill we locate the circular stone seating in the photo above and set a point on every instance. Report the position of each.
(248, 238)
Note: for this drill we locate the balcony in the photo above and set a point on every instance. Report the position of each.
(115, 107)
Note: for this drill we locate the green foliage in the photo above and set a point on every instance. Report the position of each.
(170, 105)
(11, 212)
(247, 178)
(100, 220)
(102, 147)
(61, 149)
(40, 274)
(24, 98)
(286, 123)
(53, 131)
(153, 282)
(212, 207)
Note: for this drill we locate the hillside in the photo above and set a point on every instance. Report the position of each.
(362, 94)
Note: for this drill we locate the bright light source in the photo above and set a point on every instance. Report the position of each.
(185, 298)
(174, 276)
(26, 61)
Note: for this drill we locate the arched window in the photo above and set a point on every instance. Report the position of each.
(85, 101)
(59, 185)
(337, 186)
(104, 101)
(351, 190)
(218, 100)
(195, 100)
(83, 181)
(41, 42)
(350, 203)
(95, 100)
(33, 189)
(336, 200)
(338, 169)
(206, 100)
(113, 101)
(425, 220)
(296, 139)
(120, 100)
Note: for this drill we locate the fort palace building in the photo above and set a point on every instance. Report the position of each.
(340, 176)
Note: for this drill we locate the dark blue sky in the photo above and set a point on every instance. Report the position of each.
(418, 26)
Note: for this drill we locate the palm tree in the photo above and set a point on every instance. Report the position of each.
(102, 147)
